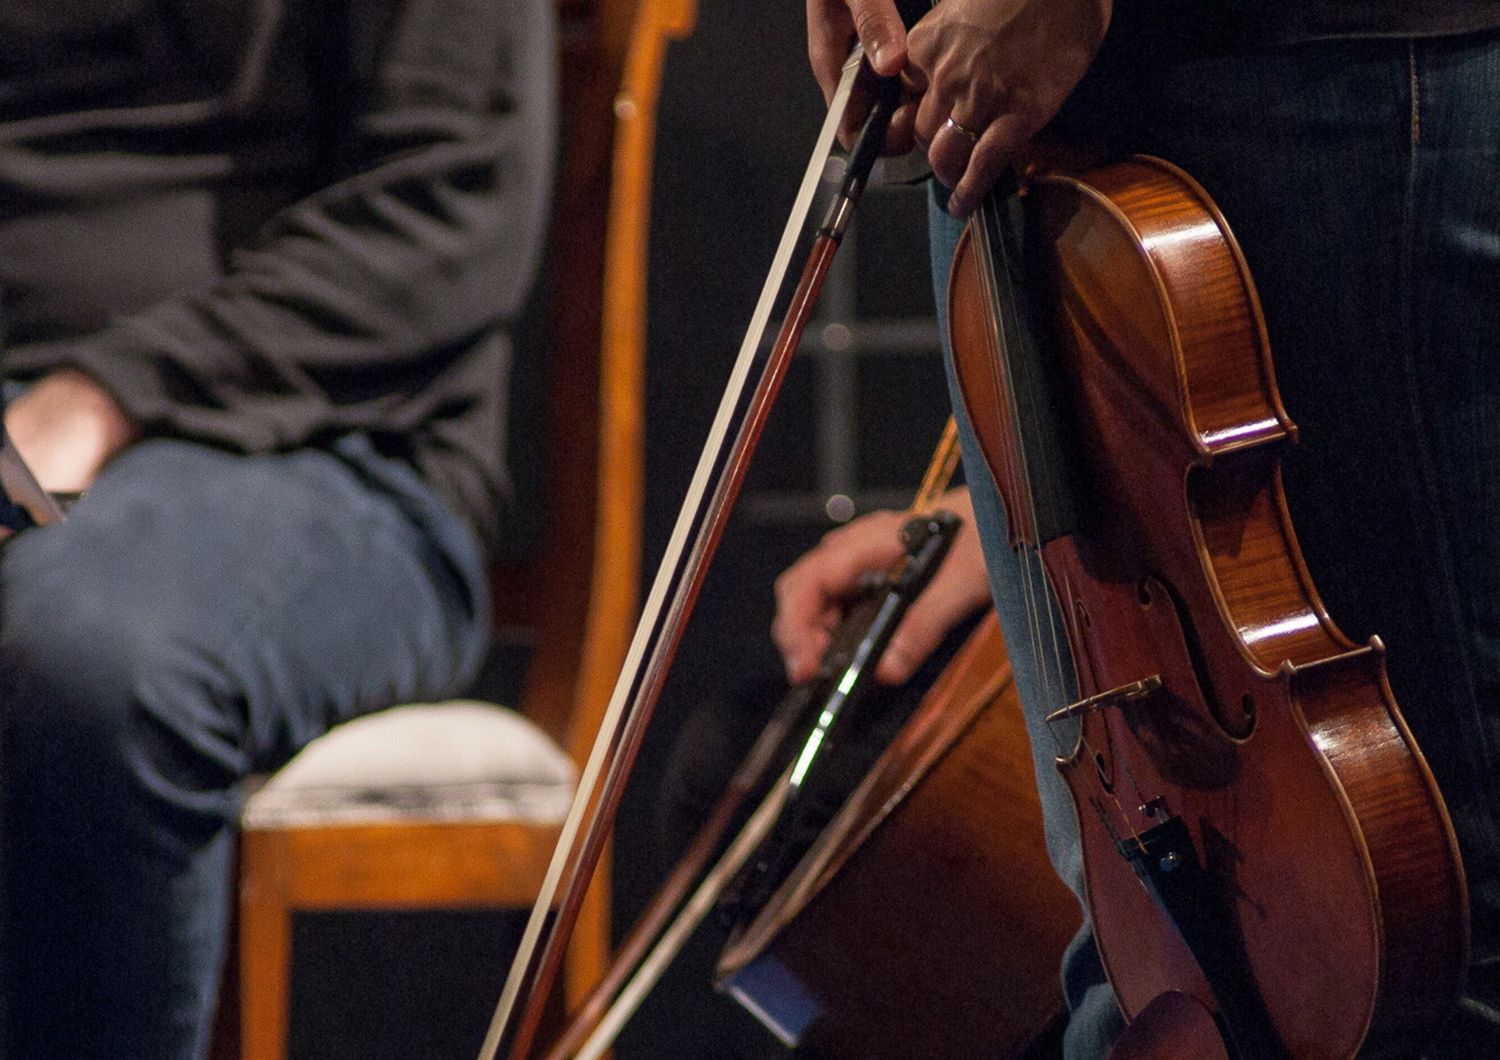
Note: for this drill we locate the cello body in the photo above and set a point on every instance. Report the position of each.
(917, 923)
(1260, 831)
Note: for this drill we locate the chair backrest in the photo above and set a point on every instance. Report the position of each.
(579, 595)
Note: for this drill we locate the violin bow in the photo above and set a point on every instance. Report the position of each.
(700, 524)
(658, 937)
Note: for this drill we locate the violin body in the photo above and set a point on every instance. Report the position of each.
(1243, 759)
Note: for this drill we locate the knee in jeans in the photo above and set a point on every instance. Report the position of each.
(97, 702)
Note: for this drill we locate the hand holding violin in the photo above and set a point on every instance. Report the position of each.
(982, 76)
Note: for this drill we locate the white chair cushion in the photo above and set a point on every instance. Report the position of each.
(460, 760)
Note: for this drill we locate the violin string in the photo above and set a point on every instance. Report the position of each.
(1131, 833)
(1003, 391)
(1096, 764)
(1028, 555)
(1135, 783)
(1104, 820)
(1048, 473)
(1033, 571)
(1053, 619)
(1141, 801)
(1003, 384)
(980, 233)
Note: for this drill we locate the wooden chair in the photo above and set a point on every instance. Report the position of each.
(578, 598)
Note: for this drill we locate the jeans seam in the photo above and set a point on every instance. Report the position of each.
(1415, 127)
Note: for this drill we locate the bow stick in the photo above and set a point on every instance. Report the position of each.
(700, 524)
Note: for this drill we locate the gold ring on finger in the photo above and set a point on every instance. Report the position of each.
(967, 134)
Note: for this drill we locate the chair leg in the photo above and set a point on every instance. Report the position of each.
(588, 953)
(224, 1038)
(265, 946)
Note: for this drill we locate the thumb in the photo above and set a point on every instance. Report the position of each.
(919, 634)
(958, 590)
(879, 28)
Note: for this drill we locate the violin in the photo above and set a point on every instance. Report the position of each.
(1267, 860)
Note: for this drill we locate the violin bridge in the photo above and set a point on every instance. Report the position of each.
(1104, 700)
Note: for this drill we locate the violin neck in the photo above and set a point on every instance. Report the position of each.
(1049, 464)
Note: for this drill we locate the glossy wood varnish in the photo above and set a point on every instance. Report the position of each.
(1274, 738)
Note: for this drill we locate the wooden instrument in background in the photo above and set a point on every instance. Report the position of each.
(926, 920)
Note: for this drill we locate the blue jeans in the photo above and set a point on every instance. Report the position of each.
(201, 615)
(1362, 179)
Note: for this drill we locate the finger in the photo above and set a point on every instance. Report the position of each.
(898, 135)
(805, 609)
(814, 587)
(950, 150)
(830, 34)
(827, 575)
(858, 109)
(921, 631)
(878, 25)
(871, 542)
(802, 657)
(899, 138)
(958, 590)
(987, 161)
(861, 98)
(932, 111)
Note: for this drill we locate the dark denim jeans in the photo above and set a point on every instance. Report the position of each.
(1362, 179)
(201, 615)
